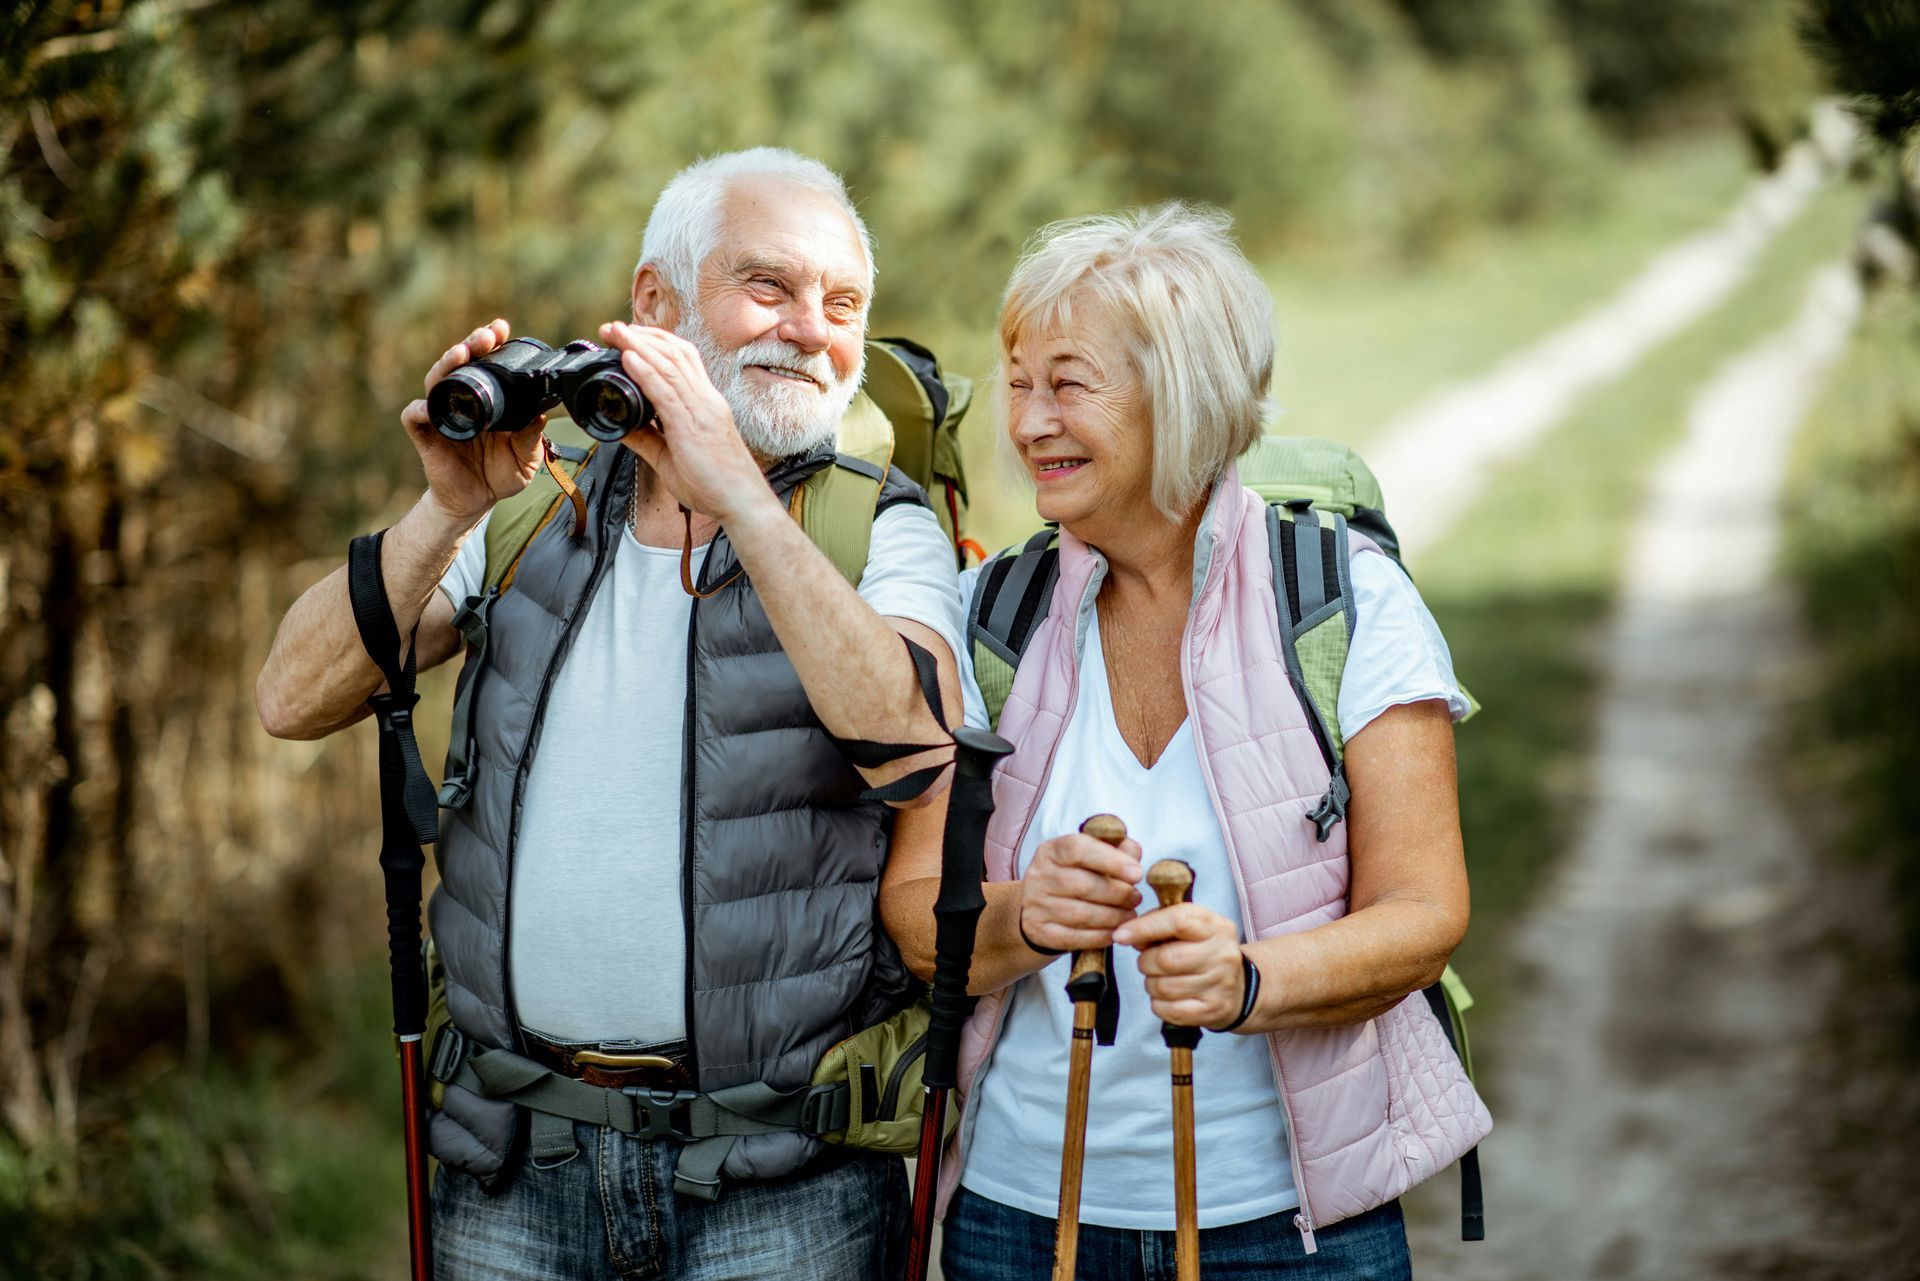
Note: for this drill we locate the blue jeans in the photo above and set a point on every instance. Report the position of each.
(611, 1214)
(988, 1241)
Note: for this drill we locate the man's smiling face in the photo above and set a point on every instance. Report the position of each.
(780, 314)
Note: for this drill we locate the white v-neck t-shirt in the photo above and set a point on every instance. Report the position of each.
(1244, 1170)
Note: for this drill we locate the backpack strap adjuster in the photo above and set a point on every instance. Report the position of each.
(1332, 808)
(449, 1051)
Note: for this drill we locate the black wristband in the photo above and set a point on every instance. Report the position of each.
(1250, 973)
(1044, 951)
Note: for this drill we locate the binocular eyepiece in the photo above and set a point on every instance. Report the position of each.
(523, 378)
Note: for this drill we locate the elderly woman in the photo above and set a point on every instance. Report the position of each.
(1136, 350)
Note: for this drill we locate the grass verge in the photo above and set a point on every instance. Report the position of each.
(268, 1164)
(1853, 547)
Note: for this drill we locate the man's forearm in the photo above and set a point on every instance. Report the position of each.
(318, 675)
(850, 660)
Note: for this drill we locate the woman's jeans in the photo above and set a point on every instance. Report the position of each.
(988, 1241)
(611, 1214)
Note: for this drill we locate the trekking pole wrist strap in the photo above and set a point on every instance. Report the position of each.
(1250, 975)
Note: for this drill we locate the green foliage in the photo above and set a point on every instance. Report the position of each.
(1645, 62)
(276, 1165)
(1870, 51)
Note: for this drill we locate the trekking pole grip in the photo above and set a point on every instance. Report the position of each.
(1172, 882)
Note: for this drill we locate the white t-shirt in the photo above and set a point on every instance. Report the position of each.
(596, 938)
(1244, 1172)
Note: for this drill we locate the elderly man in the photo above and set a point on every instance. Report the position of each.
(664, 857)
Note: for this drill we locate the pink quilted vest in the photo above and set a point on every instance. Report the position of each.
(1374, 1108)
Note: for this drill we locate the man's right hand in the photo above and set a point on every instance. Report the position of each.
(465, 478)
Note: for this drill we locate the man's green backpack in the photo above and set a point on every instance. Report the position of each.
(1315, 491)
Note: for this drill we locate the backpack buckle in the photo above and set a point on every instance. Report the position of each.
(1332, 807)
(662, 1114)
(448, 1053)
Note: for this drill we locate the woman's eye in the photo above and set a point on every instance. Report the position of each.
(1017, 385)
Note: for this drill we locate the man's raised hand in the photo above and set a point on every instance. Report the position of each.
(465, 478)
(697, 453)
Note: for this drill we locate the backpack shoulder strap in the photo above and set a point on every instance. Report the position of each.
(1314, 590)
(514, 521)
(836, 505)
(1009, 600)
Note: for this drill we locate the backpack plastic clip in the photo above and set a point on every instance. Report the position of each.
(662, 1114)
(1332, 808)
(448, 1053)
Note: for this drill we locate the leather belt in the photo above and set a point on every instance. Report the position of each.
(658, 1067)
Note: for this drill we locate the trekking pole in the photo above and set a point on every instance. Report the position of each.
(1086, 984)
(409, 819)
(1172, 882)
(957, 913)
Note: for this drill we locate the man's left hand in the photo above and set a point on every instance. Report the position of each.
(1190, 958)
(697, 453)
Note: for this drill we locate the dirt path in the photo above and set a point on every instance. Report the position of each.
(1436, 459)
(1649, 1099)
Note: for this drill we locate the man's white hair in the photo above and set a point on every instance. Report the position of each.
(684, 226)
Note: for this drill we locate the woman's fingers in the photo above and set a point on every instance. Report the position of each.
(1182, 921)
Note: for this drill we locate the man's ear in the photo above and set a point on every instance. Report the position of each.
(654, 301)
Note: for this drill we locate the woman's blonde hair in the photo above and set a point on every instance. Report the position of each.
(1200, 322)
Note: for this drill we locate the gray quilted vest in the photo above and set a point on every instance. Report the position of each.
(781, 859)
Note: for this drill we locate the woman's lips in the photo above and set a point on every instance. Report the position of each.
(1056, 469)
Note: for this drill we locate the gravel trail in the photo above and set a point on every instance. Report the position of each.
(1650, 1097)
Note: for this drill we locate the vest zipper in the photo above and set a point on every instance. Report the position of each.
(560, 651)
(1303, 1217)
(689, 816)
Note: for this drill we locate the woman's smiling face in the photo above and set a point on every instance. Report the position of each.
(1077, 420)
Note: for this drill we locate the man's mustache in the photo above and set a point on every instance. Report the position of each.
(775, 354)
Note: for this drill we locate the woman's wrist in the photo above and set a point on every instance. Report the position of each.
(1250, 993)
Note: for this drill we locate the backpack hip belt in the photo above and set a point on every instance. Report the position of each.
(706, 1123)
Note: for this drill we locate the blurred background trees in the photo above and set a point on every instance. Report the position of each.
(233, 235)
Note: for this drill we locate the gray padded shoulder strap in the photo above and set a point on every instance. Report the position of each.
(1011, 595)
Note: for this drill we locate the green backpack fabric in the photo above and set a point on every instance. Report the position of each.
(1315, 491)
(907, 415)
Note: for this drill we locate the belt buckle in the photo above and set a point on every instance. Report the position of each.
(620, 1062)
(662, 1114)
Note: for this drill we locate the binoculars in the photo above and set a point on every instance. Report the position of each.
(523, 378)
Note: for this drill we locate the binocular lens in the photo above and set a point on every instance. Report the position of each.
(463, 404)
(608, 406)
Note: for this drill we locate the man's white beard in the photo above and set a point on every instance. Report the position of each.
(776, 418)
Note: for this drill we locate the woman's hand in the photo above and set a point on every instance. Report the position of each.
(1190, 957)
(1077, 890)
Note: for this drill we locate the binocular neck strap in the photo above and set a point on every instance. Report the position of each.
(550, 458)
